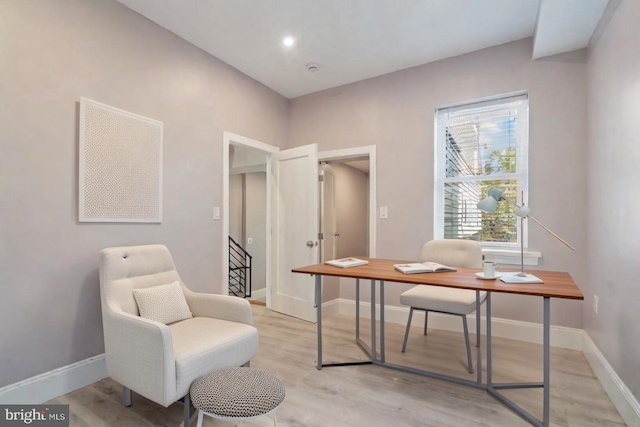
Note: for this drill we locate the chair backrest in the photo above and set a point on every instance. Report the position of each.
(125, 268)
(453, 252)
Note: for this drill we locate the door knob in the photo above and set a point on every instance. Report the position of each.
(310, 243)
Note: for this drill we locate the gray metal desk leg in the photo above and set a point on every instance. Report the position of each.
(478, 336)
(357, 309)
(374, 348)
(547, 361)
(319, 313)
(493, 388)
(359, 342)
(489, 355)
(382, 321)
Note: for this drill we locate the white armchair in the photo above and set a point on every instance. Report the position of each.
(161, 361)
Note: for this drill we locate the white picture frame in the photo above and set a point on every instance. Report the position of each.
(120, 165)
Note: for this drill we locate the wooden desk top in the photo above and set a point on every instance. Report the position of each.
(556, 284)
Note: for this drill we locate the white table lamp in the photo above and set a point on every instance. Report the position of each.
(490, 204)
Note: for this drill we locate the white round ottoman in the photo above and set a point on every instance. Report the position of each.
(237, 394)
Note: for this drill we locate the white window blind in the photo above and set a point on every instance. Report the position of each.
(481, 145)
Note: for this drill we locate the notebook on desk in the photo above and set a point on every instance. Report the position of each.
(514, 278)
(347, 262)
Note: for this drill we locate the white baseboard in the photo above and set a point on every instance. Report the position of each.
(47, 386)
(331, 308)
(259, 293)
(622, 398)
(561, 337)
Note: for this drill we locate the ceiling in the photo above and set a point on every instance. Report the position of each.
(352, 40)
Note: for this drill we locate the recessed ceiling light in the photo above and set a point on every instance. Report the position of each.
(288, 41)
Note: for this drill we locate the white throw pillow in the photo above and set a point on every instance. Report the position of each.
(165, 304)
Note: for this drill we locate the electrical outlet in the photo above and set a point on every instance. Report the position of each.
(595, 304)
(250, 241)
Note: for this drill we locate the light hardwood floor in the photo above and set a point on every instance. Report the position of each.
(372, 396)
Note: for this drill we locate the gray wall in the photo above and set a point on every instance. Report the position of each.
(395, 112)
(614, 178)
(51, 54)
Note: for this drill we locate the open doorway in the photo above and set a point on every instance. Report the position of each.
(344, 208)
(292, 212)
(352, 180)
(291, 220)
(246, 217)
(248, 224)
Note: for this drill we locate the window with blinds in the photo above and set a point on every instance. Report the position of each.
(481, 145)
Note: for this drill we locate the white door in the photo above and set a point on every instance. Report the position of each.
(295, 229)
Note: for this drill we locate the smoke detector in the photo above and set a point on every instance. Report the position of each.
(312, 67)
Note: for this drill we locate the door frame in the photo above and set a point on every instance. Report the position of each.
(229, 138)
(352, 153)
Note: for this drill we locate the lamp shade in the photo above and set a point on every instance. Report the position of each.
(494, 192)
(488, 205)
(522, 212)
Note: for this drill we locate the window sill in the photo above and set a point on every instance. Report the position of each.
(510, 256)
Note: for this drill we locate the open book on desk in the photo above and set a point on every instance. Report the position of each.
(347, 262)
(423, 267)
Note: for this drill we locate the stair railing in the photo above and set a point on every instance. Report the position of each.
(239, 270)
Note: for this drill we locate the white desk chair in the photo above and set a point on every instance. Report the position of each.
(458, 302)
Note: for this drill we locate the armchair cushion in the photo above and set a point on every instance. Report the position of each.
(203, 344)
(165, 304)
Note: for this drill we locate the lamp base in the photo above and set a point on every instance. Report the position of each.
(521, 274)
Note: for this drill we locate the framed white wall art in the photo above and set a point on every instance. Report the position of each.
(120, 165)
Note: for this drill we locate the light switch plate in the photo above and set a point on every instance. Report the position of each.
(216, 212)
(384, 212)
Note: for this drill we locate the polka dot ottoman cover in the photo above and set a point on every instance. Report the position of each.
(237, 393)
